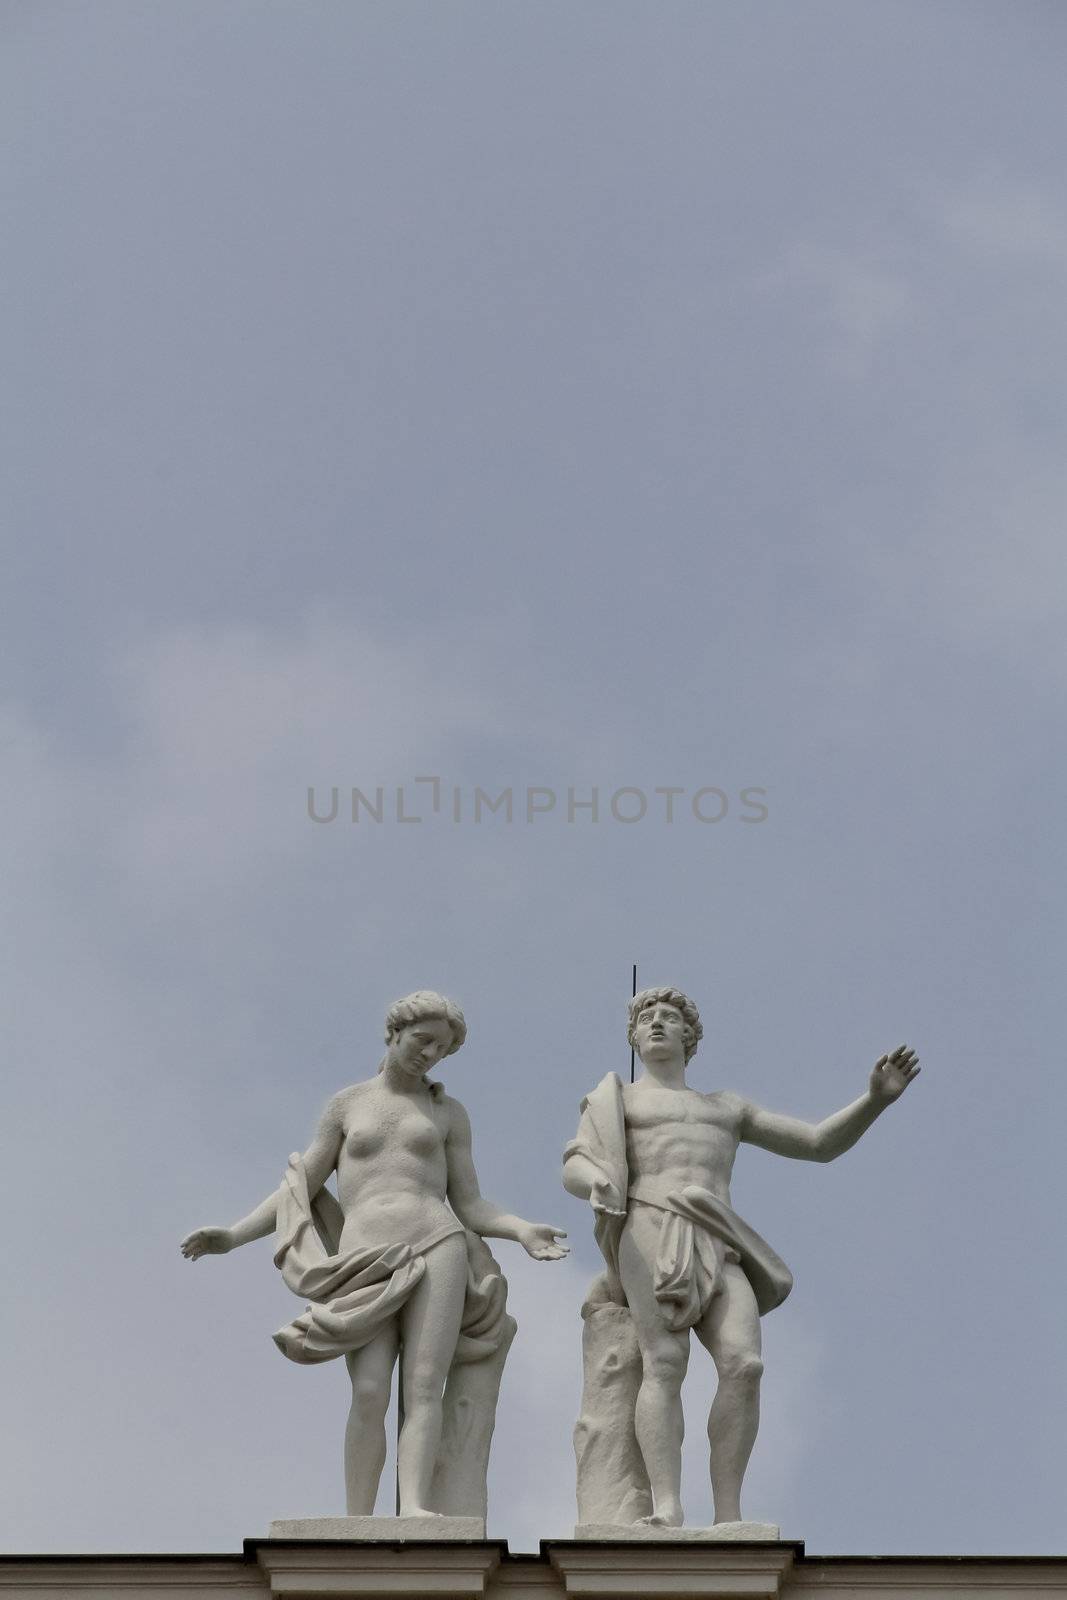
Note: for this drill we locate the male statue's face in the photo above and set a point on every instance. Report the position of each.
(421, 1045)
(660, 1033)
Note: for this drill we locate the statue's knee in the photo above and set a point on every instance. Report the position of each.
(423, 1388)
(370, 1400)
(666, 1362)
(741, 1366)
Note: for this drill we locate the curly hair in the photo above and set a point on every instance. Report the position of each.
(692, 1032)
(423, 1006)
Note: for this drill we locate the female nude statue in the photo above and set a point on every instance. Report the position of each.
(397, 1278)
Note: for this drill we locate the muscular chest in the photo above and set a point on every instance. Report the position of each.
(688, 1112)
(688, 1134)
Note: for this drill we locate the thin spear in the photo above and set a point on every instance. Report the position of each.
(399, 1418)
(633, 992)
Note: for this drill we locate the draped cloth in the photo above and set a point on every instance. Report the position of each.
(698, 1235)
(354, 1295)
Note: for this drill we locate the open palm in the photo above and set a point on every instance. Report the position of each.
(541, 1240)
(206, 1242)
(893, 1072)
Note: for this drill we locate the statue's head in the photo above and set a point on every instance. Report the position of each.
(660, 1019)
(422, 1029)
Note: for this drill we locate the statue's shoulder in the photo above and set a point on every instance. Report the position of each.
(453, 1109)
(352, 1092)
(609, 1088)
(725, 1103)
(350, 1089)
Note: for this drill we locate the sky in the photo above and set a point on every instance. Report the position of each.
(545, 399)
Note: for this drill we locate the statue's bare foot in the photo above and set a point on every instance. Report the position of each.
(670, 1515)
(419, 1511)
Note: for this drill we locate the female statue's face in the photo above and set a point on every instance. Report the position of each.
(421, 1045)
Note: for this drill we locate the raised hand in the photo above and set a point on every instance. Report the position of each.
(893, 1072)
(207, 1242)
(539, 1239)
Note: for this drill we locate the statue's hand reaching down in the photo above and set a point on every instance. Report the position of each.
(207, 1242)
(540, 1240)
(893, 1072)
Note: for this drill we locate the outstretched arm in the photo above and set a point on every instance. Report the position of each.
(320, 1158)
(823, 1141)
(481, 1216)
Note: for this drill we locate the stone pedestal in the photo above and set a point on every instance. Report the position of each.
(435, 1530)
(718, 1533)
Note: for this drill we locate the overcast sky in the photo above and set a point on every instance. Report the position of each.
(555, 396)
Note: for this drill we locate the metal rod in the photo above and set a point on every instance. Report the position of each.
(399, 1418)
(633, 991)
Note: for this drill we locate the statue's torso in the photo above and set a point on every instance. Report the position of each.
(392, 1171)
(679, 1136)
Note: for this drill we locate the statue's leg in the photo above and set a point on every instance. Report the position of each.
(658, 1419)
(731, 1333)
(371, 1371)
(429, 1329)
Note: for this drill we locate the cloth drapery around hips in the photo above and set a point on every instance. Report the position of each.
(354, 1295)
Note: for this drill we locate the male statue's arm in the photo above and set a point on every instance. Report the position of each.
(481, 1216)
(824, 1141)
(320, 1158)
(579, 1175)
(594, 1161)
(584, 1180)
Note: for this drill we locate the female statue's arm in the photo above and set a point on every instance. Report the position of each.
(320, 1159)
(481, 1216)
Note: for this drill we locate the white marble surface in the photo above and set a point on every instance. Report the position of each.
(654, 1160)
(356, 1529)
(394, 1267)
(643, 1533)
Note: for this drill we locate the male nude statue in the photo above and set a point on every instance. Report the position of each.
(655, 1158)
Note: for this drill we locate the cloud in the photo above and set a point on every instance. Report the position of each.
(1015, 221)
(858, 300)
(229, 725)
(992, 547)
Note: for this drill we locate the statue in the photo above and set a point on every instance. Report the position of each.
(654, 1159)
(390, 1269)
